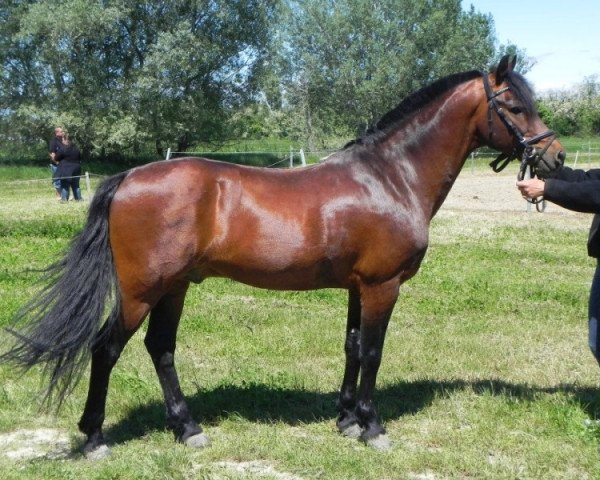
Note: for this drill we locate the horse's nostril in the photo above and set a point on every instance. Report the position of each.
(562, 155)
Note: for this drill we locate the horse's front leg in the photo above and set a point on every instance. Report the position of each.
(348, 423)
(377, 303)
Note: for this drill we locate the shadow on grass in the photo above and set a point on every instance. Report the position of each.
(263, 403)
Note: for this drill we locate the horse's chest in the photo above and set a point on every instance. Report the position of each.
(396, 245)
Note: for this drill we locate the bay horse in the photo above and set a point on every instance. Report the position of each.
(357, 221)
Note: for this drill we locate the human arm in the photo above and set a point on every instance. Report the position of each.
(581, 195)
(53, 147)
(575, 175)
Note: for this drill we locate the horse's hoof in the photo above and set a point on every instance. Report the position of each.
(380, 442)
(197, 441)
(98, 453)
(352, 431)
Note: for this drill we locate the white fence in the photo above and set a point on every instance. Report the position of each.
(36, 183)
(586, 156)
(288, 157)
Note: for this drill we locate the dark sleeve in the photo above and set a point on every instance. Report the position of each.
(569, 175)
(579, 193)
(52, 147)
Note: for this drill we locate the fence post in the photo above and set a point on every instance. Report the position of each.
(87, 185)
(302, 159)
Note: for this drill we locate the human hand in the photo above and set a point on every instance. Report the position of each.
(531, 188)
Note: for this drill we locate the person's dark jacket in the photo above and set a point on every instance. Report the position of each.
(55, 145)
(578, 190)
(70, 161)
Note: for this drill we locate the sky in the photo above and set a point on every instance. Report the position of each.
(563, 36)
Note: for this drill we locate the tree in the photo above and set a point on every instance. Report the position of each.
(125, 74)
(575, 111)
(120, 73)
(350, 61)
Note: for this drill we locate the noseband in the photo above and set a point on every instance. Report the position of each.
(530, 156)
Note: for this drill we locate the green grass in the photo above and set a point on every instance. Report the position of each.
(486, 370)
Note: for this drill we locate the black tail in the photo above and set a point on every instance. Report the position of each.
(63, 322)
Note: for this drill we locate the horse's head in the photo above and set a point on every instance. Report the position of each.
(511, 123)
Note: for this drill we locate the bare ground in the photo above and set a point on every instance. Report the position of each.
(495, 198)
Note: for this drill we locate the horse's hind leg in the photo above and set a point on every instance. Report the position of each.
(104, 358)
(160, 342)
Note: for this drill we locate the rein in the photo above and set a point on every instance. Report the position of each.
(530, 156)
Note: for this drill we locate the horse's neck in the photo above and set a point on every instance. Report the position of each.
(429, 151)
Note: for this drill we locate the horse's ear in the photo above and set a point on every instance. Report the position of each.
(506, 65)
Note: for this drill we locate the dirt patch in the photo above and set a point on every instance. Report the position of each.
(250, 469)
(479, 203)
(489, 192)
(40, 443)
(494, 198)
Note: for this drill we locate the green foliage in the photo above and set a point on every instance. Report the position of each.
(352, 60)
(130, 79)
(120, 74)
(125, 75)
(574, 112)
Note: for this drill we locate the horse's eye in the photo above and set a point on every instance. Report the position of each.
(516, 110)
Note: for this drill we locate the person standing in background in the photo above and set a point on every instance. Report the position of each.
(55, 144)
(69, 169)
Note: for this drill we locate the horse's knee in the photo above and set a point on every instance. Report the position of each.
(352, 345)
(370, 359)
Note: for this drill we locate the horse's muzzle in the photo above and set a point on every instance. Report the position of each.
(547, 162)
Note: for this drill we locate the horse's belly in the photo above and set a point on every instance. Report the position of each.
(273, 273)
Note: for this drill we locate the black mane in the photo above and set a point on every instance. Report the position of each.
(425, 95)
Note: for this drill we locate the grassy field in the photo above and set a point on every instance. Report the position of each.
(486, 370)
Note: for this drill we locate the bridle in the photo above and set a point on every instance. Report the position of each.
(530, 156)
